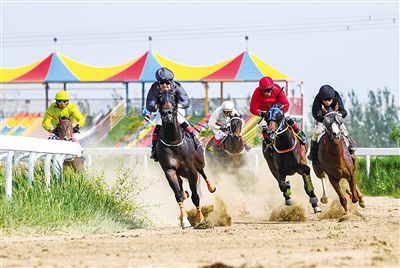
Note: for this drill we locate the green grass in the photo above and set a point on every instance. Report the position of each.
(384, 178)
(126, 126)
(77, 203)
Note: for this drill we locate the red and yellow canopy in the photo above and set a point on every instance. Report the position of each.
(57, 68)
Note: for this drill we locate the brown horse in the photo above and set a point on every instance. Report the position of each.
(65, 132)
(288, 156)
(334, 159)
(179, 158)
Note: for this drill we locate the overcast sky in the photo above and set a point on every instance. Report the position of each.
(347, 45)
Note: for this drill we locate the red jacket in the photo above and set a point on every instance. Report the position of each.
(259, 102)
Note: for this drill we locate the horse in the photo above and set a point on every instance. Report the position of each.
(288, 156)
(64, 131)
(335, 160)
(233, 149)
(179, 158)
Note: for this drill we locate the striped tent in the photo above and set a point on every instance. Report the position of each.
(57, 68)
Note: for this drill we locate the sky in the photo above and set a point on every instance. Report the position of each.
(347, 44)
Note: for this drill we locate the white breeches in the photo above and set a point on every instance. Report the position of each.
(219, 135)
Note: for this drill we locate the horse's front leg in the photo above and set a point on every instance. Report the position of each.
(173, 181)
(193, 180)
(211, 187)
(342, 197)
(356, 194)
(304, 171)
(284, 186)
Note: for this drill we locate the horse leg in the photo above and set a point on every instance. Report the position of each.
(284, 186)
(324, 198)
(185, 194)
(356, 194)
(174, 183)
(342, 197)
(309, 187)
(193, 180)
(211, 187)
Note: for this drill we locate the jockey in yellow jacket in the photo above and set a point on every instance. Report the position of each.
(62, 107)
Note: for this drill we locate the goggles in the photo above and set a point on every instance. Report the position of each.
(164, 82)
(267, 90)
(62, 101)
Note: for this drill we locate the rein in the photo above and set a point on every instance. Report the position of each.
(280, 132)
(173, 145)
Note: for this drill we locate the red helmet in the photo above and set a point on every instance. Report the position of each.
(266, 82)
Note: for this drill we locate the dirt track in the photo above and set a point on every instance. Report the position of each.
(368, 237)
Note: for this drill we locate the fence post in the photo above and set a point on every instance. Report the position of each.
(9, 164)
(47, 174)
(368, 164)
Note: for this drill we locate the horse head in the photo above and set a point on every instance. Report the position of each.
(332, 122)
(235, 126)
(64, 129)
(168, 104)
(275, 119)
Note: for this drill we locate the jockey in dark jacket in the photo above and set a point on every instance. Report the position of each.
(165, 81)
(327, 98)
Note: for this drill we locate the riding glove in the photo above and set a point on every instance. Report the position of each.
(76, 129)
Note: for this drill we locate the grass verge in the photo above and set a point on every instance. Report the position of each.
(76, 203)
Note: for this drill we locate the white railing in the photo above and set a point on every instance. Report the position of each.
(367, 152)
(19, 148)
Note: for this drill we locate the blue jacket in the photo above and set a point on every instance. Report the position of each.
(154, 91)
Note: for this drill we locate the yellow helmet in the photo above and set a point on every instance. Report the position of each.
(62, 95)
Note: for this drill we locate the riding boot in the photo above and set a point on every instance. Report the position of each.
(302, 136)
(197, 143)
(352, 146)
(312, 150)
(218, 149)
(154, 143)
(153, 151)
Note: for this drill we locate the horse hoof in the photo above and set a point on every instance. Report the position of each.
(288, 202)
(324, 200)
(317, 210)
(185, 195)
(185, 223)
(211, 188)
(361, 203)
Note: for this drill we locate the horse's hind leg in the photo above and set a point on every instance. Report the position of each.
(342, 197)
(173, 181)
(211, 187)
(193, 180)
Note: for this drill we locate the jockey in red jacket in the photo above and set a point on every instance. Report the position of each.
(264, 96)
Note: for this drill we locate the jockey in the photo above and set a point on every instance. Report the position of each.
(165, 81)
(62, 107)
(265, 95)
(219, 121)
(326, 98)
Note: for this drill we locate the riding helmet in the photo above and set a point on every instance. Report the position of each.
(266, 82)
(164, 74)
(227, 106)
(62, 95)
(326, 92)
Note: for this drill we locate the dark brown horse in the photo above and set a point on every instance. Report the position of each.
(233, 153)
(334, 159)
(65, 132)
(288, 156)
(178, 156)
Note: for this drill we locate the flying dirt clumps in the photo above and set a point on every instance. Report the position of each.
(214, 215)
(336, 211)
(295, 212)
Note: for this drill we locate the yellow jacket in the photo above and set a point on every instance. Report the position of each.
(53, 113)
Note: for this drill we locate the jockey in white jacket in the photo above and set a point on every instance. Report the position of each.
(219, 120)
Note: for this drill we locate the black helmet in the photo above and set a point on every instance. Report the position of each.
(327, 92)
(164, 74)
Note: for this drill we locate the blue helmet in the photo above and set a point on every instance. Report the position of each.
(164, 74)
(327, 92)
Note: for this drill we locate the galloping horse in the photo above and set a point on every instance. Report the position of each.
(287, 157)
(334, 159)
(178, 156)
(233, 150)
(65, 132)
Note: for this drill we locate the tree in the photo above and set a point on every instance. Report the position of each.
(355, 120)
(395, 135)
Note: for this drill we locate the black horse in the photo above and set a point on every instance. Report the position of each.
(178, 156)
(233, 149)
(287, 156)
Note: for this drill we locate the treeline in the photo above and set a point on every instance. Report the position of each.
(375, 123)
